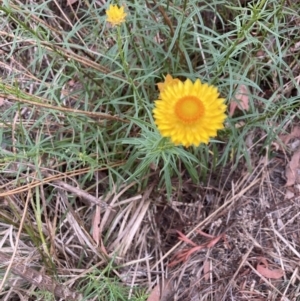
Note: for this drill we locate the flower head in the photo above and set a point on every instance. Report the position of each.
(189, 113)
(169, 81)
(115, 15)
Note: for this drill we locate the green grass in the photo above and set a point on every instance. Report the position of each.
(98, 285)
(81, 93)
(119, 79)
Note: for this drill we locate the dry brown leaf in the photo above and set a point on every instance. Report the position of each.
(70, 2)
(241, 100)
(206, 269)
(289, 194)
(263, 268)
(292, 169)
(155, 294)
(295, 133)
(162, 292)
(2, 101)
(167, 290)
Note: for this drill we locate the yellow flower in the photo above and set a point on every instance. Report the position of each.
(189, 113)
(115, 15)
(169, 81)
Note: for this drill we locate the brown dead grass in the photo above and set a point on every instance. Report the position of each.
(141, 233)
(257, 223)
(83, 228)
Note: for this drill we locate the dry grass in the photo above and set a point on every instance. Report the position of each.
(140, 233)
(70, 231)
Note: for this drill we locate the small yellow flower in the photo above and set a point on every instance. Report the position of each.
(115, 15)
(169, 81)
(189, 113)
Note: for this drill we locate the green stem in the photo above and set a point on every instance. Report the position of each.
(137, 98)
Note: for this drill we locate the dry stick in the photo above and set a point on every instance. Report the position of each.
(290, 282)
(42, 281)
(40, 102)
(56, 180)
(81, 193)
(282, 238)
(67, 54)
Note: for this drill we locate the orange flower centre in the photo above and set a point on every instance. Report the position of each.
(189, 109)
